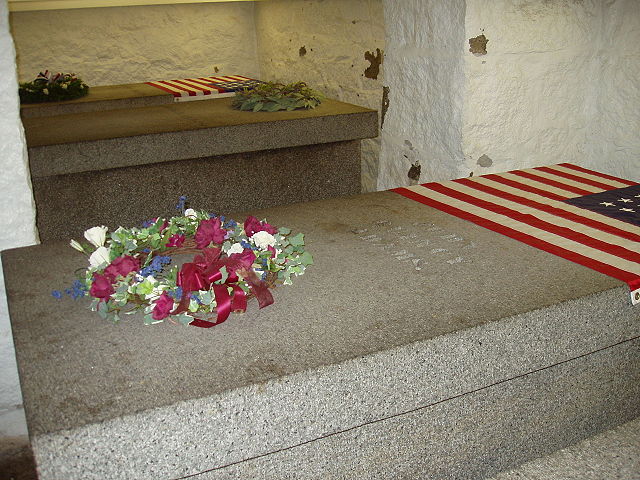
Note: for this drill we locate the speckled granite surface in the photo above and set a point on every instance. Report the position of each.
(69, 204)
(410, 321)
(136, 136)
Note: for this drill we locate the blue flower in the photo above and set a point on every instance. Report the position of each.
(177, 294)
(157, 264)
(56, 294)
(147, 223)
(212, 215)
(181, 202)
(78, 290)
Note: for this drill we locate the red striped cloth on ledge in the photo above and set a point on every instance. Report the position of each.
(578, 214)
(195, 88)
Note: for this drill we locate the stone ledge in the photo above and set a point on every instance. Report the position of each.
(119, 138)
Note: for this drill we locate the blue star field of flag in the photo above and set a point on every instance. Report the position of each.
(622, 203)
(235, 86)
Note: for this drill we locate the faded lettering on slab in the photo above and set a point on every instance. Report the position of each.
(418, 244)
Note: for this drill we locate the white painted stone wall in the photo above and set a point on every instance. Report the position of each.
(110, 46)
(17, 220)
(424, 71)
(560, 83)
(323, 42)
(613, 138)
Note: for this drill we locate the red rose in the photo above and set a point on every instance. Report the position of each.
(163, 307)
(253, 225)
(101, 287)
(209, 231)
(176, 240)
(122, 266)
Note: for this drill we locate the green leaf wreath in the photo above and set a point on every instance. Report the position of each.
(52, 88)
(271, 97)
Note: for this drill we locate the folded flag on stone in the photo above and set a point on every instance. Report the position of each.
(199, 88)
(578, 214)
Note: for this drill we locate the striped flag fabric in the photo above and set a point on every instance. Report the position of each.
(554, 209)
(187, 89)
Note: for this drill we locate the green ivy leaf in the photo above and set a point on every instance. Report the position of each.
(297, 240)
(306, 259)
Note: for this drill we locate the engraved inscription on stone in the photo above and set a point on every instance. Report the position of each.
(418, 244)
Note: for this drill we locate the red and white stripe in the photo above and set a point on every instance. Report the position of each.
(196, 87)
(527, 205)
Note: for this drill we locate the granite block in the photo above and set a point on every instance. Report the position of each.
(472, 436)
(118, 138)
(69, 204)
(405, 308)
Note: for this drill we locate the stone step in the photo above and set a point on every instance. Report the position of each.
(417, 346)
(611, 455)
(107, 166)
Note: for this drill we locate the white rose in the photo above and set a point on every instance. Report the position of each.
(96, 235)
(100, 256)
(190, 212)
(235, 248)
(263, 239)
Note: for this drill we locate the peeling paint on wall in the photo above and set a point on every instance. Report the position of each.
(414, 171)
(373, 70)
(485, 161)
(478, 45)
(303, 51)
(385, 105)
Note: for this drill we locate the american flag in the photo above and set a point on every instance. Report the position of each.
(578, 214)
(186, 89)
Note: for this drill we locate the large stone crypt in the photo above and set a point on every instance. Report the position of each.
(417, 345)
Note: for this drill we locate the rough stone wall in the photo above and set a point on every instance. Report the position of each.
(110, 46)
(613, 138)
(17, 220)
(335, 46)
(424, 72)
(559, 83)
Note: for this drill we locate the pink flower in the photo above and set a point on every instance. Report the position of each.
(272, 251)
(163, 307)
(253, 225)
(176, 240)
(101, 287)
(209, 231)
(122, 266)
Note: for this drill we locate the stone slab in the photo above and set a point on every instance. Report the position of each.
(106, 97)
(117, 138)
(68, 204)
(404, 308)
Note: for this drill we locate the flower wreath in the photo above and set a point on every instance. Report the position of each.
(52, 88)
(130, 269)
